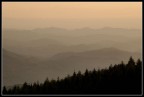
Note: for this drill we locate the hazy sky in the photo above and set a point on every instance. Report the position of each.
(29, 15)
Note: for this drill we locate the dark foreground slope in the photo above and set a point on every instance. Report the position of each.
(19, 68)
(118, 79)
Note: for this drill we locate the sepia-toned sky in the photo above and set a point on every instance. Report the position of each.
(30, 15)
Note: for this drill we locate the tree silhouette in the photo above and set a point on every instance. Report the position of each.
(4, 90)
(131, 62)
(118, 79)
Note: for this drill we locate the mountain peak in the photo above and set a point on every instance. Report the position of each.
(85, 29)
(107, 27)
(110, 48)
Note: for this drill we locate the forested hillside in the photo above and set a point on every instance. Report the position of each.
(123, 78)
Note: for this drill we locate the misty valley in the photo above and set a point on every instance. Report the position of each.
(71, 59)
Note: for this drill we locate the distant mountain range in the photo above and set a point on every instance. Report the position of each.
(46, 42)
(30, 55)
(19, 68)
(16, 68)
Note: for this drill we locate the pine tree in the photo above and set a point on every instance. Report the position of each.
(86, 73)
(138, 63)
(131, 62)
(4, 90)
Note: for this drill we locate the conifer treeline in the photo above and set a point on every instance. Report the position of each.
(118, 79)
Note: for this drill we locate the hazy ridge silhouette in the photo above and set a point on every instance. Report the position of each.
(118, 79)
(30, 55)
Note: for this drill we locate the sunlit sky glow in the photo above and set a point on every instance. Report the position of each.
(28, 15)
